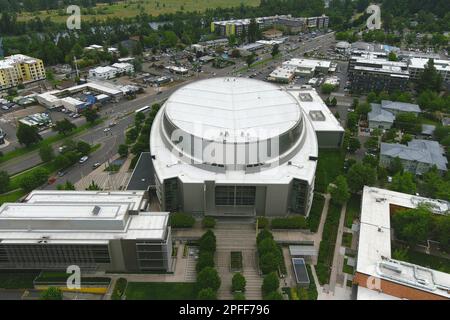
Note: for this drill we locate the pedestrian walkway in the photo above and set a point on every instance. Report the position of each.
(338, 258)
(237, 237)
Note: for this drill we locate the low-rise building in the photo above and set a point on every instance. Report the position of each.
(417, 157)
(308, 67)
(417, 65)
(97, 231)
(123, 67)
(18, 69)
(380, 118)
(380, 277)
(103, 73)
(382, 115)
(374, 72)
(282, 75)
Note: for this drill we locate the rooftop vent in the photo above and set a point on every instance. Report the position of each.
(305, 97)
(317, 115)
(96, 210)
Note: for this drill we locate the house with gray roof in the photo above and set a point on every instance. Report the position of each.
(382, 115)
(380, 118)
(398, 107)
(417, 157)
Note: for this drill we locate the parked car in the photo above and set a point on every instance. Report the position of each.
(83, 159)
(61, 173)
(96, 165)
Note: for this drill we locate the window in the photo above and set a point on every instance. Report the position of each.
(235, 195)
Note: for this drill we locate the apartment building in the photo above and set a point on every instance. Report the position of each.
(17, 69)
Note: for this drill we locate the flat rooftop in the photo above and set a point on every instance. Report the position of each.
(317, 111)
(374, 250)
(65, 216)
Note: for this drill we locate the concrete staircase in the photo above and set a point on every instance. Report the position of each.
(234, 236)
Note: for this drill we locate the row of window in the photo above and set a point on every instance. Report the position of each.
(235, 195)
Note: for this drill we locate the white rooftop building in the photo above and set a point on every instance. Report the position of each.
(377, 274)
(307, 67)
(103, 73)
(96, 230)
(234, 147)
(240, 147)
(417, 65)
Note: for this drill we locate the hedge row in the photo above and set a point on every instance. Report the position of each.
(327, 245)
(181, 220)
(294, 222)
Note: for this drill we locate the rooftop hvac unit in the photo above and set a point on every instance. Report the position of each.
(96, 211)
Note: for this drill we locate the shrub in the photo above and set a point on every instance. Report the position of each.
(238, 282)
(295, 222)
(208, 278)
(205, 259)
(270, 283)
(269, 262)
(207, 294)
(181, 220)
(119, 289)
(274, 295)
(208, 222)
(208, 242)
(239, 296)
(263, 234)
(263, 222)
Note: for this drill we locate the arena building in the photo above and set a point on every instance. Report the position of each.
(234, 147)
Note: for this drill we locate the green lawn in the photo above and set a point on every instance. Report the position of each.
(50, 140)
(316, 212)
(329, 166)
(13, 196)
(128, 9)
(17, 280)
(327, 245)
(425, 260)
(353, 210)
(160, 291)
(347, 239)
(346, 268)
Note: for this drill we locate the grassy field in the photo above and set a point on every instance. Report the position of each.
(12, 196)
(160, 291)
(316, 212)
(17, 280)
(353, 210)
(131, 8)
(329, 166)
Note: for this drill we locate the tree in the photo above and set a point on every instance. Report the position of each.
(429, 78)
(238, 282)
(67, 186)
(91, 115)
(406, 138)
(207, 294)
(250, 59)
(263, 234)
(275, 50)
(52, 293)
(403, 182)
(93, 187)
(274, 295)
(270, 283)
(205, 259)
(4, 181)
(339, 190)
(46, 152)
(327, 88)
(123, 150)
(64, 127)
(363, 109)
(372, 143)
(412, 225)
(34, 179)
(407, 121)
(208, 278)
(395, 166)
(83, 147)
(333, 102)
(239, 296)
(208, 242)
(392, 56)
(353, 144)
(360, 175)
(269, 262)
(27, 135)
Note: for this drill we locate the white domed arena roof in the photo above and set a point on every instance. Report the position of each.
(233, 109)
